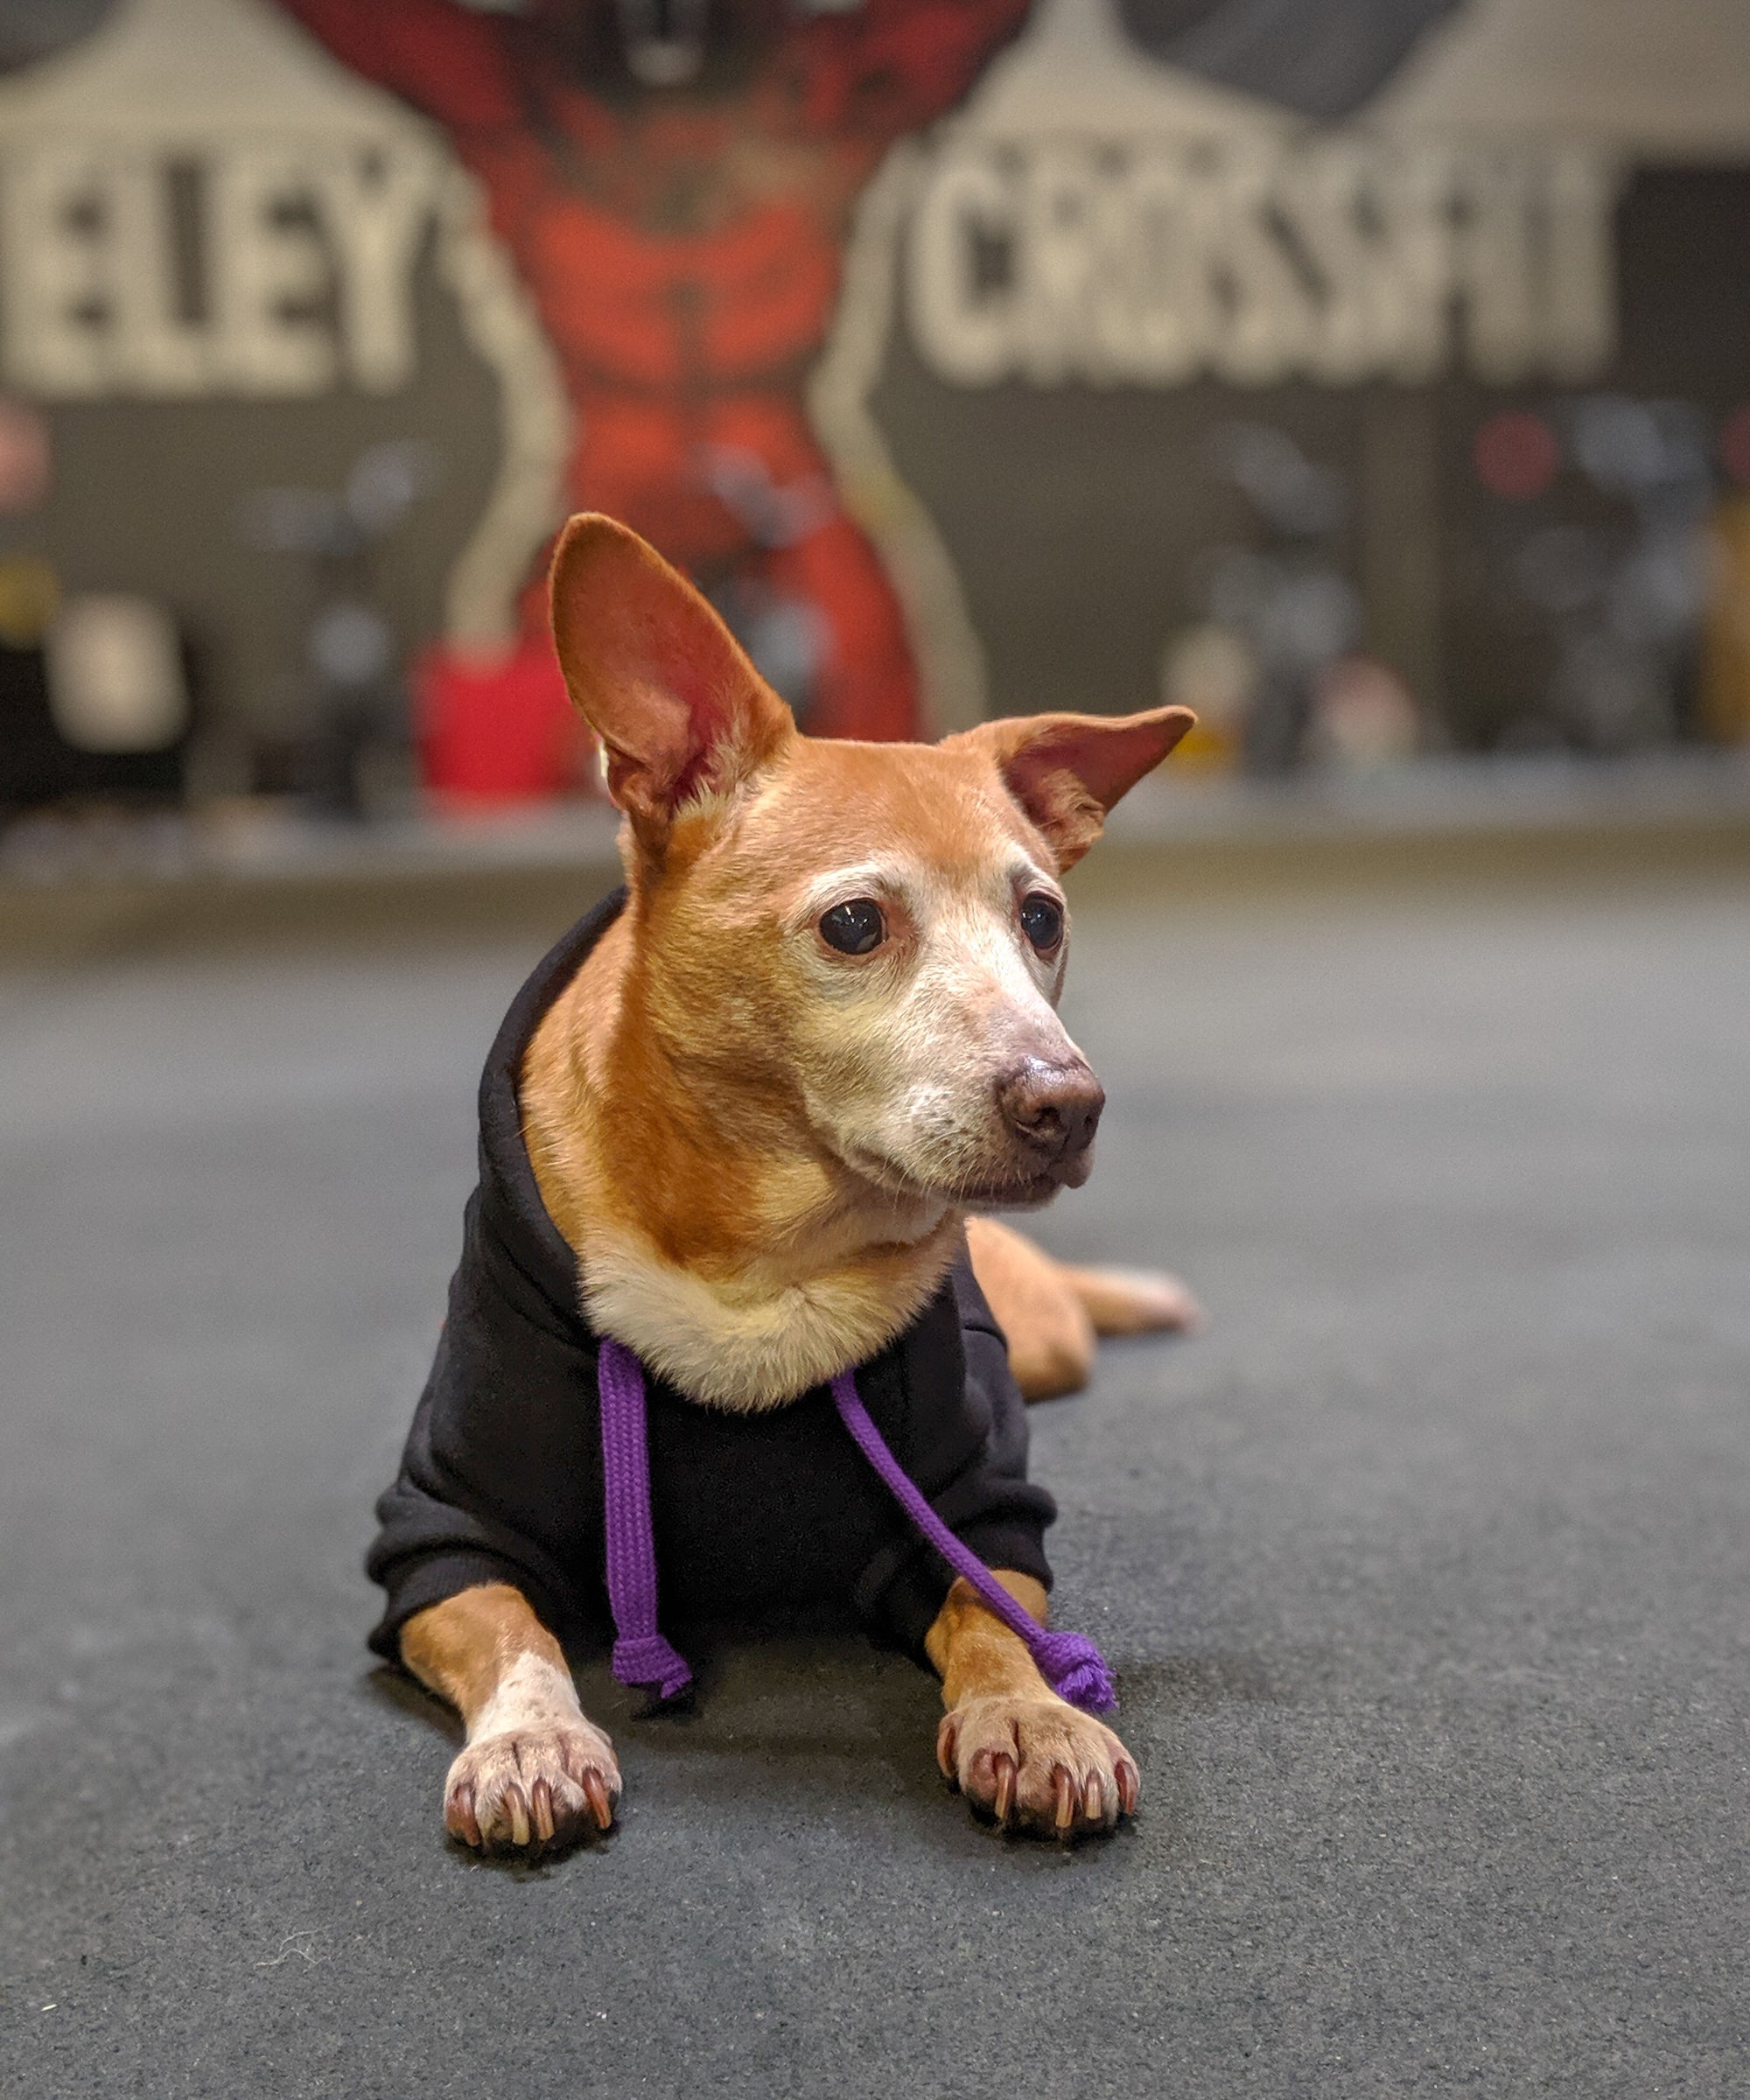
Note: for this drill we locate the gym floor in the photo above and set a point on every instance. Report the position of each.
(1426, 1569)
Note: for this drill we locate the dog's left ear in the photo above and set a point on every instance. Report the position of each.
(680, 710)
(1067, 770)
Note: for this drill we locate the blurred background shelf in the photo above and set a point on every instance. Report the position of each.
(1472, 816)
(242, 874)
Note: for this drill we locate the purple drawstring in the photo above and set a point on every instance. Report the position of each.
(641, 1655)
(1069, 1663)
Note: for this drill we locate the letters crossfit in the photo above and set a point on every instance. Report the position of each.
(1340, 260)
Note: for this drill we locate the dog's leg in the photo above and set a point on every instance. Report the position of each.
(1008, 1742)
(1050, 1313)
(532, 1770)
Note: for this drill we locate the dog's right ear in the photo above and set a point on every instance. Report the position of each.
(680, 711)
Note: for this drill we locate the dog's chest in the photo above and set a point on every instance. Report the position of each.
(747, 1351)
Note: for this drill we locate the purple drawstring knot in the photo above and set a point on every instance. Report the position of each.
(647, 1659)
(641, 1655)
(1076, 1670)
(1069, 1663)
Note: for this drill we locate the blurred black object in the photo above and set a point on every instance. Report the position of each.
(1287, 592)
(1599, 533)
(39, 766)
(96, 690)
(785, 634)
(1324, 58)
(350, 705)
(36, 29)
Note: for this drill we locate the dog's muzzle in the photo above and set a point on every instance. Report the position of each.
(1051, 1112)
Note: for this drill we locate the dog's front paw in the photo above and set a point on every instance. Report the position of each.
(543, 1782)
(1038, 1762)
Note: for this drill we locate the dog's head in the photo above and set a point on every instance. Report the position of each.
(870, 938)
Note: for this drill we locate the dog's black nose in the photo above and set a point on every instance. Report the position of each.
(1054, 1110)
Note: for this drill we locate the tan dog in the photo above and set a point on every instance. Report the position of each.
(823, 1029)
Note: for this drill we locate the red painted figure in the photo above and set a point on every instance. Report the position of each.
(675, 180)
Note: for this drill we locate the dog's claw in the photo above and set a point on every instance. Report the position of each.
(601, 1806)
(947, 1744)
(1004, 1770)
(1129, 1787)
(1094, 1801)
(541, 1809)
(1064, 1787)
(460, 1817)
(517, 1808)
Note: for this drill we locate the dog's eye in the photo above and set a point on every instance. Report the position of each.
(854, 928)
(1042, 921)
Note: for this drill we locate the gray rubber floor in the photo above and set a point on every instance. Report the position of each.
(1427, 1570)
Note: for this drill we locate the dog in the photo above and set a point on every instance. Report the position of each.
(741, 1123)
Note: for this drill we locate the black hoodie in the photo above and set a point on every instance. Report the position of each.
(755, 1514)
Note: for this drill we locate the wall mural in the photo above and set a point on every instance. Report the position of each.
(1320, 365)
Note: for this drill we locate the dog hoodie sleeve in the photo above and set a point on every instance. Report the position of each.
(500, 1478)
